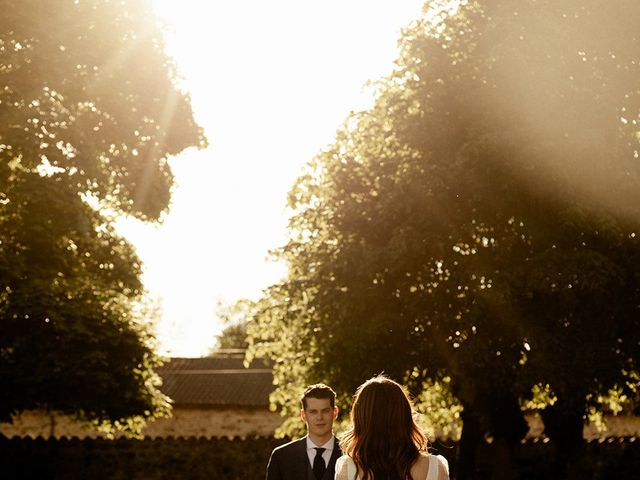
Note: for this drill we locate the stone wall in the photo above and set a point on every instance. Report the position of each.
(185, 422)
(35, 424)
(238, 422)
(216, 422)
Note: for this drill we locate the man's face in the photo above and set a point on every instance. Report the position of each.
(319, 417)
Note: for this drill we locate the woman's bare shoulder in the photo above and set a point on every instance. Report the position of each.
(420, 467)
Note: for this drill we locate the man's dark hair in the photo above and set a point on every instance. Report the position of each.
(319, 390)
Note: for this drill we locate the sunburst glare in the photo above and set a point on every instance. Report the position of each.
(270, 83)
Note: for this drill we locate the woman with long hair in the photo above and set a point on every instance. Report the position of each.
(384, 442)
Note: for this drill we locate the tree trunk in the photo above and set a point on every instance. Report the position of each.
(566, 432)
(508, 427)
(469, 442)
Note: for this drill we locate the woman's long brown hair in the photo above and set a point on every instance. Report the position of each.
(384, 441)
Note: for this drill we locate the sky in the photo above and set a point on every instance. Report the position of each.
(270, 83)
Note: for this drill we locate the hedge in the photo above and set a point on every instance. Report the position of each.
(246, 458)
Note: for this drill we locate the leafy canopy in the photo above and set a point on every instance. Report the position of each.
(480, 222)
(91, 113)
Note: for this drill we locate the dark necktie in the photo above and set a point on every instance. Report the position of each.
(318, 463)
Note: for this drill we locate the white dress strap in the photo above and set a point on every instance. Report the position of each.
(345, 468)
(351, 469)
(434, 463)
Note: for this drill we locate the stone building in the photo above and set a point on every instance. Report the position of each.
(216, 396)
(212, 397)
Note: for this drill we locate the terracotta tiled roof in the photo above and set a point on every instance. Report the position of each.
(219, 380)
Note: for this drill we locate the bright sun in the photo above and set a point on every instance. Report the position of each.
(270, 83)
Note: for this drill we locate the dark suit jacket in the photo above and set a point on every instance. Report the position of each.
(291, 462)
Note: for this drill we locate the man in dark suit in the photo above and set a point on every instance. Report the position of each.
(314, 456)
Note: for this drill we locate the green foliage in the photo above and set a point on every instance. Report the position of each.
(279, 328)
(480, 222)
(91, 114)
(234, 334)
(438, 410)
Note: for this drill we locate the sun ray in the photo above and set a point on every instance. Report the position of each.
(270, 83)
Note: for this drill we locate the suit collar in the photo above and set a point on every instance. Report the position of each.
(329, 443)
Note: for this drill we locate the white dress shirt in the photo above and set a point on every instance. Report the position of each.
(326, 455)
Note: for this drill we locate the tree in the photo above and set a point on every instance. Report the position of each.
(478, 223)
(234, 334)
(91, 114)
